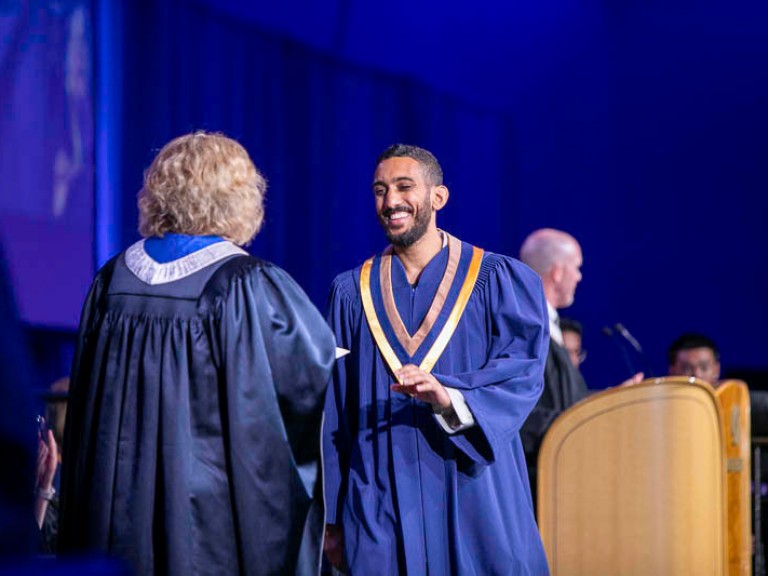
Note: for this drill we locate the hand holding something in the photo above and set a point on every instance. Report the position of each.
(423, 386)
(47, 461)
(636, 379)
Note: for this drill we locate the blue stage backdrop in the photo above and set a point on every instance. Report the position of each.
(314, 123)
(636, 127)
(46, 157)
(639, 127)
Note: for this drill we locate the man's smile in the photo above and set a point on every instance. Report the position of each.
(396, 216)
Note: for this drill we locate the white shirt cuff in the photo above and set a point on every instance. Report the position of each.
(458, 417)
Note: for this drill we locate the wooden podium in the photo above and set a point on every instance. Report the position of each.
(733, 397)
(635, 480)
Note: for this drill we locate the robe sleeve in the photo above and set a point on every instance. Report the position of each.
(276, 355)
(336, 437)
(563, 387)
(274, 329)
(503, 391)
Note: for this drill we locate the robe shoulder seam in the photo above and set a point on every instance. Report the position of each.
(492, 265)
(341, 286)
(222, 281)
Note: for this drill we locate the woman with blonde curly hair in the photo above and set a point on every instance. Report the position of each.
(202, 184)
(196, 392)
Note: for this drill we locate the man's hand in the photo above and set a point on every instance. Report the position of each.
(636, 379)
(423, 386)
(333, 545)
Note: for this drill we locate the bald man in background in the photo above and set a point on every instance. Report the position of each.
(556, 256)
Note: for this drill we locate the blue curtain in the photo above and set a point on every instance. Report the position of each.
(313, 124)
(638, 128)
(46, 156)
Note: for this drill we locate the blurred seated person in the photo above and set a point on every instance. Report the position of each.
(695, 355)
(572, 340)
(49, 457)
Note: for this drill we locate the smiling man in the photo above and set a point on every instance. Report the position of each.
(424, 469)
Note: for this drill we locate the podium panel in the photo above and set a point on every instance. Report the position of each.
(733, 396)
(632, 481)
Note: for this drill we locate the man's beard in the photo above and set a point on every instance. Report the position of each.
(415, 232)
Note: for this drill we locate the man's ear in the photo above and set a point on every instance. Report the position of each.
(439, 197)
(556, 272)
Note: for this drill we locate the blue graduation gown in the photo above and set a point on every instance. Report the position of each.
(411, 498)
(195, 405)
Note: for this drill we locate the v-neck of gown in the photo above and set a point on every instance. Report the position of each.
(413, 309)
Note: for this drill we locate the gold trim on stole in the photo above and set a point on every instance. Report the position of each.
(412, 343)
(443, 338)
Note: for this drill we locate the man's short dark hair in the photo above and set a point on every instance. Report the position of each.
(570, 325)
(424, 157)
(690, 341)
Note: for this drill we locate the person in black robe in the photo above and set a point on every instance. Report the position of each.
(572, 340)
(556, 256)
(193, 429)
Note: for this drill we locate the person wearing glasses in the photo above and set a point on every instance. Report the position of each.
(572, 338)
(695, 355)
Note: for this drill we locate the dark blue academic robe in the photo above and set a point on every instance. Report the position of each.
(411, 498)
(195, 405)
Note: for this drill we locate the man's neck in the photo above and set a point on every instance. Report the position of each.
(554, 327)
(416, 256)
(550, 293)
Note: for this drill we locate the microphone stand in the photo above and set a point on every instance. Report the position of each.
(627, 336)
(610, 333)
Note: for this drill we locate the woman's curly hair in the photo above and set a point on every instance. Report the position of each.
(202, 184)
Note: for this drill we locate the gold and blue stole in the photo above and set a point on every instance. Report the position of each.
(423, 348)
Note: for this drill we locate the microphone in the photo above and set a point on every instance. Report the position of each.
(610, 333)
(627, 336)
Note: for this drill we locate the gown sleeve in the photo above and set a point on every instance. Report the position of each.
(301, 350)
(272, 329)
(336, 437)
(503, 392)
(563, 387)
(276, 356)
